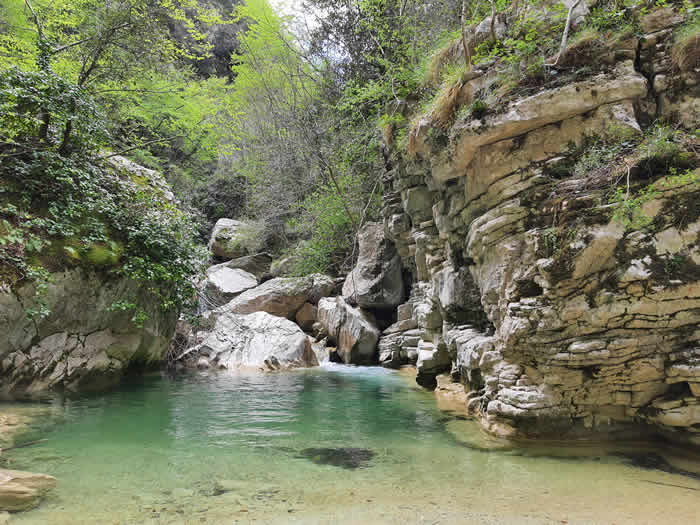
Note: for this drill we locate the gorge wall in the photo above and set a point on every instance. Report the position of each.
(560, 312)
(86, 337)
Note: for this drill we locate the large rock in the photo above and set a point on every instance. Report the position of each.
(228, 239)
(258, 264)
(223, 283)
(23, 490)
(257, 340)
(283, 296)
(525, 115)
(306, 316)
(353, 331)
(84, 343)
(376, 280)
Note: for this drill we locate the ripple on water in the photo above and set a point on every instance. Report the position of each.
(335, 444)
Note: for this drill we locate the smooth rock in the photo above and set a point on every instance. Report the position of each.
(227, 239)
(376, 280)
(283, 296)
(23, 490)
(257, 340)
(354, 331)
(224, 283)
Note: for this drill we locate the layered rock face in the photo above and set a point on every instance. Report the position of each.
(83, 343)
(560, 315)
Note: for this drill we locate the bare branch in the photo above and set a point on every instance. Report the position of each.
(565, 36)
(167, 139)
(37, 23)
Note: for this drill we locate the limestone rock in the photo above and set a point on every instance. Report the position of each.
(353, 331)
(432, 360)
(535, 112)
(258, 264)
(558, 321)
(376, 280)
(83, 343)
(223, 283)
(257, 340)
(283, 296)
(227, 239)
(22, 490)
(306, 316)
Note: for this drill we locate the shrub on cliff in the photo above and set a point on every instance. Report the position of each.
(62, 205)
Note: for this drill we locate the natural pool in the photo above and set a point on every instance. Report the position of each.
(329, 445)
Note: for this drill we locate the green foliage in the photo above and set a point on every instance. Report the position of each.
(36, 107)
(331, 238)
(61, 210)
(627, 206)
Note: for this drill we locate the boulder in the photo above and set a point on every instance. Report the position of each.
(23, 490)
(376, 280)
(227, 239)
(257, 264)
(257, 340)
(306, 316)
(352, 330)
(224, 283)
(283, 296)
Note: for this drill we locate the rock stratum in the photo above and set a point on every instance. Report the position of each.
(84, 340)
(561, 315)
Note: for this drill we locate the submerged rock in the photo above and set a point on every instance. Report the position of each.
(257, 340)
(23, 490)
(343, 457)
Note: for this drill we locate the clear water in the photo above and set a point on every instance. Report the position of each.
(231, 448)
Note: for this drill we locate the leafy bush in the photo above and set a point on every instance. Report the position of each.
(62, 206)
(324, 214)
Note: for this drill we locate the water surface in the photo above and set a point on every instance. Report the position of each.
(336, 444)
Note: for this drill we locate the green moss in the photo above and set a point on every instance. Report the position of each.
(100, 254)
(139, 179)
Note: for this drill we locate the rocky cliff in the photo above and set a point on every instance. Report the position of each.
(75, 328)
(553, 244)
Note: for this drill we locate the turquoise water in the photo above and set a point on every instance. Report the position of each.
(329, 445)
